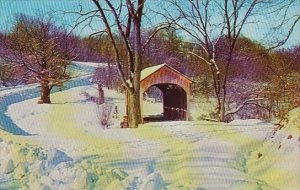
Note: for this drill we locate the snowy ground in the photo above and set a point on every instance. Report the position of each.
(91, 64)
(68, 149)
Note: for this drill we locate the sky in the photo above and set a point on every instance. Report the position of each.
(10, 8)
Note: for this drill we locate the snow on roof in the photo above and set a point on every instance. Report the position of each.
(150, 70)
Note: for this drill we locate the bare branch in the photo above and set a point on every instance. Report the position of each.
(109, 31)
(157, 29)
(253, 101)
(282, 42)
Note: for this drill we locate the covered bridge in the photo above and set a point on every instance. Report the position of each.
(175, 88)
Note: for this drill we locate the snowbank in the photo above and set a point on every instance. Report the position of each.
(278, 161)
(30, 167)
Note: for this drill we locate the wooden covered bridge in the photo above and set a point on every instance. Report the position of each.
(175, 88)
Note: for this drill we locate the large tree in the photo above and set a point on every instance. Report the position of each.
(38, 51)
(122, 23)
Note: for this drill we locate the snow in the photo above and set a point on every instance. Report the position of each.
(153, 181)
(91, 64)
(150, 155)
(68, 148)
(280, 161)
(9, 90)
(150, 70)
(152, 109)
(247, 122)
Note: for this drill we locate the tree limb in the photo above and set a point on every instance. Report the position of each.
(252, 101)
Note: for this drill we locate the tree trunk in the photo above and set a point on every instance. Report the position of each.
(109, 82)
(45, 92)
(101, 94)
(222, 111)
(134, 112)
(134, 105)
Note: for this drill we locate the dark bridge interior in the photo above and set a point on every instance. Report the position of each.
(174, 103)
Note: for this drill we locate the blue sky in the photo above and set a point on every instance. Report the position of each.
(9, 8)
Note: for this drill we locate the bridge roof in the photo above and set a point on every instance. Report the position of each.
(151, 70)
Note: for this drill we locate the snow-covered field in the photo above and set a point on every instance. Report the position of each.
(68, 149)
(90, 64)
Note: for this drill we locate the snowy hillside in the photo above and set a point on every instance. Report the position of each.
(65, 147)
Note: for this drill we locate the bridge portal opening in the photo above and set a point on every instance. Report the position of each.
(168, 104)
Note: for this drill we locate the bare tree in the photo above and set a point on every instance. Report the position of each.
(236, 14)
(210, 22)
(125, 17)
(38, 51)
